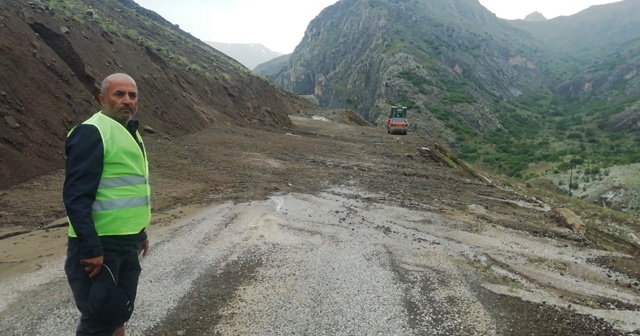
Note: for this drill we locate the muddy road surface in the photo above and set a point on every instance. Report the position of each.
(335, 229)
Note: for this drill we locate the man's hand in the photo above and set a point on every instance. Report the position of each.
(143, 247)
(92, 265)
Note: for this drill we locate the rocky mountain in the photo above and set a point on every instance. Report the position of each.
(591, 34)
(452, 62)
(502, 93)
(535, 16)
(273, 67)
(55, 54)
(515, 96)
(605, 42)
(248, 54)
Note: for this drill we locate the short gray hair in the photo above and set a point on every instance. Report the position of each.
(105, 81)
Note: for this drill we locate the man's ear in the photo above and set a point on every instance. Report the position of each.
(100, 98)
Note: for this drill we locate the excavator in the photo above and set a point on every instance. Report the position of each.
(397, 123)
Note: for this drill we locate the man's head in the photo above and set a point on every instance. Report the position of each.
(119, 97)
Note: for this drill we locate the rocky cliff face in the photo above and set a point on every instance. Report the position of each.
(604, 43)
(508, 93)
(444, 59)
(55, 54)
(614, 79)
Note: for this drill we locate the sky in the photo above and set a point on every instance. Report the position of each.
(280, 24)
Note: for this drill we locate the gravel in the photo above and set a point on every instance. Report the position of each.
(333, 264)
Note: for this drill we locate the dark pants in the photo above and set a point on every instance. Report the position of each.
(124, 264)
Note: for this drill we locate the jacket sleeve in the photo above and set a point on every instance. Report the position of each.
(84, 164)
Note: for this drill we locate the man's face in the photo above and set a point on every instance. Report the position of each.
(120, 99)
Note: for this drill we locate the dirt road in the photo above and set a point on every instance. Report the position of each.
(331, 229)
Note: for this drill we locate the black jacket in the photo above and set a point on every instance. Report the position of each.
(85, 153)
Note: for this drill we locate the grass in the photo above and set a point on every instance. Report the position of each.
(149, 33)
(514, 286)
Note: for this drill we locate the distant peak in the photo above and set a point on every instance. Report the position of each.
(535, 16)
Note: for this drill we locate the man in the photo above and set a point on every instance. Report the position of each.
(106, 196)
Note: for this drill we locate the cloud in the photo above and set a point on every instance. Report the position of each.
(277, 24)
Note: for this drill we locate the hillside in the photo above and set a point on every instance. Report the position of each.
(55, 53)
(273, 67)
(248, 54)
(427, 54)
(455, 65)
(591, 33)
(507, 95)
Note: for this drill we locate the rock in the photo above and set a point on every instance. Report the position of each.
(64, 30)
(11, 121)
(149, 130)
(569, 219)
(477, 209)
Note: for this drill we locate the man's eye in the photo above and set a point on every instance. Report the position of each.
(133, 96)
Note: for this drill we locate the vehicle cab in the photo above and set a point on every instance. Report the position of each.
(397, 123)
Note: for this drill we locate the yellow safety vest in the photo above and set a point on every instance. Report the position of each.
(122, 205)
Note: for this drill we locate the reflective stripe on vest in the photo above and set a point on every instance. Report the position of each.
(121, 181)
(122, 205)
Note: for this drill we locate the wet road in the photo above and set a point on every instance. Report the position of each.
(339, 263)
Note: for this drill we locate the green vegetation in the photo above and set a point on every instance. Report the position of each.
(410, 104)
(574, 134)
(144, 30)
(547, 125)
(538, 127)
(456, 94)
(414, 79)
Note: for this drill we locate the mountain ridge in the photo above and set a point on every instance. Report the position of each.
(535, 16)
(248, 54)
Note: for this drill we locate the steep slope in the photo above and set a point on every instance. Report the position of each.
(499, 94)
(249, 55)
(590, 34)
(612, 78)
(274, 67)
(55, 53)
(450, 61)
(605, 41)
(594, 114)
